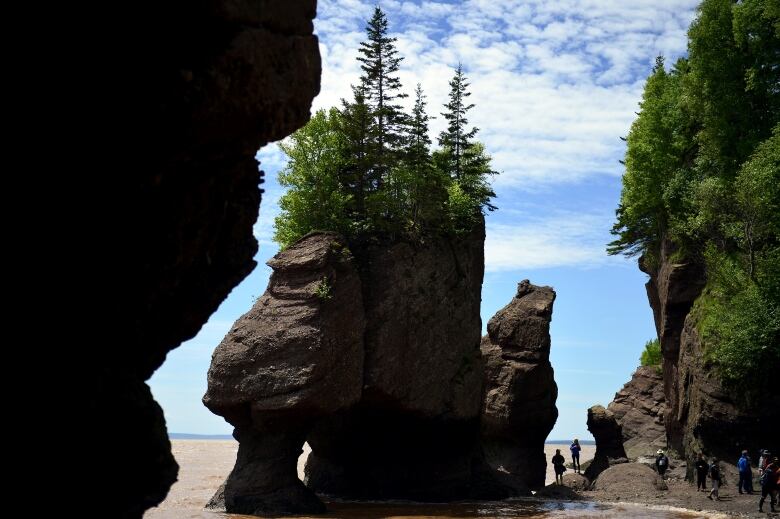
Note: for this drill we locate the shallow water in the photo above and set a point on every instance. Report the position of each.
(520, 509)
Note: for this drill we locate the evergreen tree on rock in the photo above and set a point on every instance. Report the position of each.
(380, 62)
(456, 140)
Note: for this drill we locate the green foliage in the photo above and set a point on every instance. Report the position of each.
(315, 200)
(324, 290)
(739, 321)
(456, 140)
(651, 355)
(367, 169)
(703, 171)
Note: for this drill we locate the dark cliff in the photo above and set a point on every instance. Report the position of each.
(701, 415)
(375, 363)
(187, 95)
(519, 390)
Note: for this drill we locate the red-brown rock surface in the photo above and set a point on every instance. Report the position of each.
(639, 409)
(520, 391)
(609, 441)
(382, 376)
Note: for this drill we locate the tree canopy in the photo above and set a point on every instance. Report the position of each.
(702, 170)
(366, 168)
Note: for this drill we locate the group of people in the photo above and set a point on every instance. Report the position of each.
(558, 461)
(768, 470)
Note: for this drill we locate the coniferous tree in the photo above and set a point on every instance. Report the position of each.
(427, 184)
(354, 173)
(456, 140)
(380, 62)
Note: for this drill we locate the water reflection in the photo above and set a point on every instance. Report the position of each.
(518, 508)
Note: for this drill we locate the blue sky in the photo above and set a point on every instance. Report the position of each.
(555, 83)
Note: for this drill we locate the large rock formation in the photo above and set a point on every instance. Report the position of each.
(520, 391)
(639, 409)
(296, 356)
(609, 441)
(415, 432)
(700, 415)
(167, 196)
(374, 360)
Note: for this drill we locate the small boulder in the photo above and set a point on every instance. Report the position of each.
(628, 480)
(558, 493)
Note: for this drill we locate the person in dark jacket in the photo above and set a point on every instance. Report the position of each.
(558, 464)
(770, 482)
(661, 462)
(575, 454)
(715, 477)
(701, 473)
(745, 473)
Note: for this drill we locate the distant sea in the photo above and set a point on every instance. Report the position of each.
(567, 442)
(188, 436)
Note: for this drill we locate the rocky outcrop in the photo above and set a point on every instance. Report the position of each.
(518, 410)
(639, 409)
(372, 359)
(296, 356)
(700, 416)
(167, 197)
(415, 432)
(628, 480)
(672, 289)
(609, 441)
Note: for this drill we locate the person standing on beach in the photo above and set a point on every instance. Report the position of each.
(558, 460)
(575, 454)
(715, 477)
(762, 453)
(770, 483)
(745, 473)
(766, 456)
(661, 462)
(701, 473)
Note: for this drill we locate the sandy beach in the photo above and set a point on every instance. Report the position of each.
(204, 464)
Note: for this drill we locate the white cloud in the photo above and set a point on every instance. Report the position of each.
(556, 82)
(564, 239)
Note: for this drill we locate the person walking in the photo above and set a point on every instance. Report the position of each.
(701, 473)
(770, 482)
(661, 462)
(745, 473)
(715, 477)
(575, 454)
(558, 460)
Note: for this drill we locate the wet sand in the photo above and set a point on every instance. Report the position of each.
(204, 464)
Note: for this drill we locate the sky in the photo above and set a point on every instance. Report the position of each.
(556, 83)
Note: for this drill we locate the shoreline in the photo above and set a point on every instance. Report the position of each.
(206, 463)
